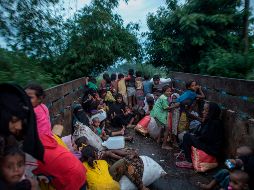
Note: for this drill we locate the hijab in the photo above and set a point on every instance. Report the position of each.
(15, 102)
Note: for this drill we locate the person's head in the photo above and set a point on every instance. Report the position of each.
(89, 154)
(146, 77)
(18, 118)
(92, 79)
(239, 180)
(127, 109)
(106, 77)
(80, 143)
(113, 77)
(191, 85)
(138, 74)
(131, 72)
(13, 113)
(96, 122)
(120, 76)
(211, 111)
(12, 163)
(156, 79)
(167, 90)
(119, 98)
(244, 151)
(36, 94)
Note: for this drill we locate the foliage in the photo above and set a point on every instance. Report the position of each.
(189, 37)
(17, 67)
(97, 39)
(145, 68)
(32, 26)
(228, 64)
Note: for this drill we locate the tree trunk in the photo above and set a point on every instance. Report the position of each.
(246, 26)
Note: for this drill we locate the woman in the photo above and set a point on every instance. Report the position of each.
(17, 118)
(209, 138)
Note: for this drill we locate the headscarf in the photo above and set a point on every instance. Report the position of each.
(214, 111)
(15, 102)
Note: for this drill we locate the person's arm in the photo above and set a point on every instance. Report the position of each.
(201, 95)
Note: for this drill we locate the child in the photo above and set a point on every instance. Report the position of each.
(98, 176)
(114, 88)
(116, 109)
(238, 180)
(139, 89)
(122, 87)
(193, 92)
(12, 169)
(130, 84)
(149, 103)
(36, 94)
(221, 178)
(160, 114)
(97, 129)
(147, 84)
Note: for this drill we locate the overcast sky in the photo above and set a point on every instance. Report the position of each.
(135, 11)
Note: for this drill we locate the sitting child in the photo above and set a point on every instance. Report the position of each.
(12, 169)
(98, 176)
(223, 177)
(98, 130)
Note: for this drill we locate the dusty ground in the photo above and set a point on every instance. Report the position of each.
(176, 179)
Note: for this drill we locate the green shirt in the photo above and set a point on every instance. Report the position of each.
(160, 111)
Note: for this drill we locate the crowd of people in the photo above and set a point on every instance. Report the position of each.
(32, 155)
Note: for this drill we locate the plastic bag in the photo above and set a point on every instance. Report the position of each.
(142, 125)
(93, 139)
(153, 128)
(152, 172)
(202, 161)
(102, 115)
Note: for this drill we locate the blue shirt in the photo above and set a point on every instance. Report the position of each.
(187, 95)
(147, 85)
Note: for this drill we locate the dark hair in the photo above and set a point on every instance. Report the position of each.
(39, 92)
(92, 79)
(10, 146)
(164, 88)
(188, 84)
(106, 77)
(156, 77)
(138, 74)
(81, 141)
(118, 95)
(214, 111)
(113, 76)
(146, 77)
(88, 155)
(131, 72)
(120, 76)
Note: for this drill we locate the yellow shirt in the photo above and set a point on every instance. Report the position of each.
(98, 178)
(122, 87)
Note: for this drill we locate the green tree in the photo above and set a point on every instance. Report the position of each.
(184, 37)
(17, 67)
(97, 39)
(32, 26)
